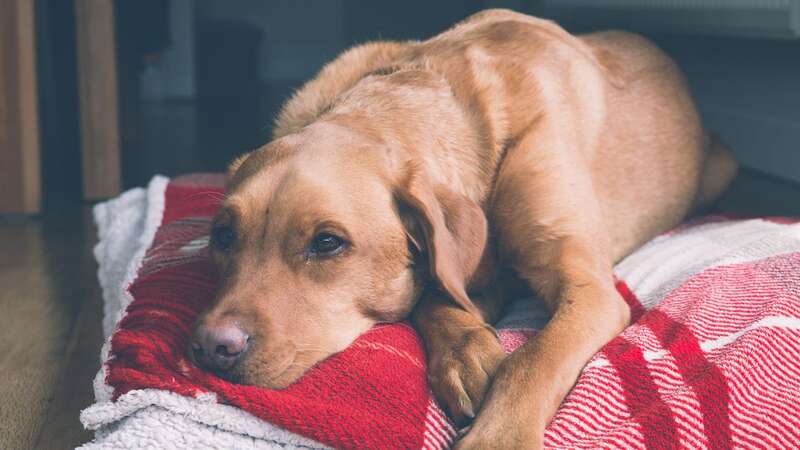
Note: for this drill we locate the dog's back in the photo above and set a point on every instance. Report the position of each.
(638, 127)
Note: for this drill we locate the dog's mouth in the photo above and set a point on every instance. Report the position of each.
(234, 375)
(271, 372)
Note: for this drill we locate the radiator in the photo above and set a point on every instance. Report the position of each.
(755, 18)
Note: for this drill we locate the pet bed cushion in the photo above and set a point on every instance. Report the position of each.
(711, 360)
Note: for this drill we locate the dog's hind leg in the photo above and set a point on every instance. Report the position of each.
(719, 169)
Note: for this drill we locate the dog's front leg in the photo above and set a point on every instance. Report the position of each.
(532, 382)
(463, 353)
(551, 231)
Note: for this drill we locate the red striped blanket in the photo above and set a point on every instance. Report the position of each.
(712, 359)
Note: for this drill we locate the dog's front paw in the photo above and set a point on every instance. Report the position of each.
(460, 374)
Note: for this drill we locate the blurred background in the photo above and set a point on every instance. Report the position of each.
(200, 81)
(97, 96)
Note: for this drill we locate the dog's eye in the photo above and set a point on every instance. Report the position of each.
(223, 237)
(326, 244)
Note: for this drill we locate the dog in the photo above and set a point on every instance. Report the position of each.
(437, 179)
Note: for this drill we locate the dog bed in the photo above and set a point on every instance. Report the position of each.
(712, 359)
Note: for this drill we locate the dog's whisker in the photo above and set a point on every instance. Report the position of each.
(216, 195)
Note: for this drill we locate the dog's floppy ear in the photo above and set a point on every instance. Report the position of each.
(454, 230)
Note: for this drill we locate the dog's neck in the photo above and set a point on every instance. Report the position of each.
(416, 114)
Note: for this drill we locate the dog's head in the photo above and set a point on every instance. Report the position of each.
(319, 238)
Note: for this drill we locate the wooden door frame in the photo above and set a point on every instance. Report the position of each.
(98, 94)
(20, 168)
(20, 153)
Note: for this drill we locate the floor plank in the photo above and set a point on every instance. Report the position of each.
(49, 294)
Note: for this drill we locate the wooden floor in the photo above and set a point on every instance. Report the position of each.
(50, 314)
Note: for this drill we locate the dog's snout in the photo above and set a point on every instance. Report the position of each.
(219, 346)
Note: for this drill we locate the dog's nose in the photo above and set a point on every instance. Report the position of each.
(219, 346)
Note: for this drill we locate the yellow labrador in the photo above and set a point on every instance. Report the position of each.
(438, 176)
